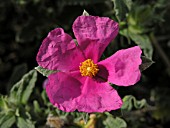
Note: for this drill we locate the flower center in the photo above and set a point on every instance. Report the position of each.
(88, 68)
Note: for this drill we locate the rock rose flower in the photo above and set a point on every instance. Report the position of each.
(82, 81)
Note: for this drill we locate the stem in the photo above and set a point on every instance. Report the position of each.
(85, 117)
(160, 50)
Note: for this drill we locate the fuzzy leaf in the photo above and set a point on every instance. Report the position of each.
(29, 87)
(17, 74)
(24, 123)
(146, 63)
(124, 32)
(120, 9)
(6, 121)
(3, 104)
(117, 122)
(44, 97)
(128, 3)
(37, 108)
(130, 101)
(21, 91)
(144, 42)
(44, 72)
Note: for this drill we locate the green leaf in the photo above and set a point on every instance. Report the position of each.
(6, 121)
(142, 14)
(120, 9)
(130, 101)
(24, 123)
(21, 91)
(146, 63)
(124, 32)
(44, 72)
(117, 122)
(37, 108)
(3, 104)
(136, 29)
(144, 42)
(128, 3)
(140, 18)
(44, 97)
(29, 87)
(17, 74)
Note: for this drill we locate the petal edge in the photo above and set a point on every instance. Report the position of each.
(93, 32)
(123, 66)
(59, 52)
(98, 97)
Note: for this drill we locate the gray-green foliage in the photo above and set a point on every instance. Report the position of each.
(16, 110)
(43, 71)
(22, 90)
(13, 107)
(17, 74)
(130, 101)
(121, 9)
(24, 123)
(144, 42)
(114, 122)
(7, 120)
(135, 22)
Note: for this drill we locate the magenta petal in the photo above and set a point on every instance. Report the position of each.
(123, 66)
(63, 91)
(98, 97)
(94, 34)
(77, 75)
(59, 52)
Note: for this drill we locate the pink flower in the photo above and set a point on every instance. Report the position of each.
(82, 82)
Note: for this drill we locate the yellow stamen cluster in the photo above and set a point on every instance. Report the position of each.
(88, 68)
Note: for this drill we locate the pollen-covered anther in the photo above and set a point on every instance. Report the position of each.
(88, 68)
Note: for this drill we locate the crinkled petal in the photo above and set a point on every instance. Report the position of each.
(63, 91)
(59, 52)
(77, 75)
(98, 97)
(123, 67)
(94, 34)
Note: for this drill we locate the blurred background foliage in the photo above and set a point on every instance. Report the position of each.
(25, 23)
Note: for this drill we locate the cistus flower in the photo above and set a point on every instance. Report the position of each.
(82, 81)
